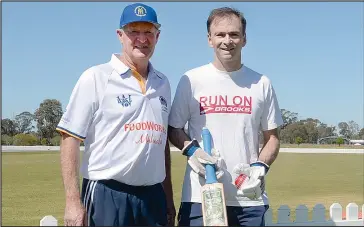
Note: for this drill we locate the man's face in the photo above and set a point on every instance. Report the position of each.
(227, 38)
(139, 40)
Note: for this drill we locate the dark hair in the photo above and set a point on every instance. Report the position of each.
(225, 12)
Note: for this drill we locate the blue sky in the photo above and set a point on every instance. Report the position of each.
(312, 51)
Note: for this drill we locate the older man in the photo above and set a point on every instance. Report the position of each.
(120, 110)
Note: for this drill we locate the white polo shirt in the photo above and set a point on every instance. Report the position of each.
(233, 106)
(122, 121)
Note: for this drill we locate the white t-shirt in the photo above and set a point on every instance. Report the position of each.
(124, 129)
(234, 106)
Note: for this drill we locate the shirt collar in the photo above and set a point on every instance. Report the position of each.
(122, 69)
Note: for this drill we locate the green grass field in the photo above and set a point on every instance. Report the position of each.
(324, 146)
(32, 185)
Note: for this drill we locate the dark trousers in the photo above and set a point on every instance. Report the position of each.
(190, 214)
(111, 203)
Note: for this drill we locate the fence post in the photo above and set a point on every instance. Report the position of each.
(352, 211)
(336, 212)
(284, 214)
(268, 217)
(318, 214)
(48, 220)
(301, 214)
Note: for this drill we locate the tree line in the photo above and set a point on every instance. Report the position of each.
(39, 128)
(310, 130)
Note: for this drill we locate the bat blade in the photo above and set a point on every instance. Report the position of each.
(213, 205)
(212, 193)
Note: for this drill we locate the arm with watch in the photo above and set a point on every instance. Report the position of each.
(197, 157)
(254, 185)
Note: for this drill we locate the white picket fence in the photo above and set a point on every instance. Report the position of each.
(353, 217)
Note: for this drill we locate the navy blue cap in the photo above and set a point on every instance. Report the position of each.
(138, 12)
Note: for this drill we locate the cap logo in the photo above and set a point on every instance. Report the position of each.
(140, 11)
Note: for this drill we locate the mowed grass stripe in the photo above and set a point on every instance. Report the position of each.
(32, 184)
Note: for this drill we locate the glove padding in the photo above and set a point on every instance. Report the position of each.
(254, 184)
(200, 158)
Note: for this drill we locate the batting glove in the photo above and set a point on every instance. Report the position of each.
(253, 185)
(198, 158)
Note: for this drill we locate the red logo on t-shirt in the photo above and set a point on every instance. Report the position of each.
(225, 104)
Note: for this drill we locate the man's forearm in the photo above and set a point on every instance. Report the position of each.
(70, 156)
(270, 150)
(178, 137)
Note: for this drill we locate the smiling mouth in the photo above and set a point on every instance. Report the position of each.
(141, 47)
(227, 49)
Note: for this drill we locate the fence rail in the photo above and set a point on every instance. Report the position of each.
(352, 216)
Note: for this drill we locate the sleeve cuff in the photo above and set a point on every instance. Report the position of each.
(63, 130)
(271, 126)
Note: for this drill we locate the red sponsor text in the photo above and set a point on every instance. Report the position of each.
(225, 104)
(148, 125)
(146, 138)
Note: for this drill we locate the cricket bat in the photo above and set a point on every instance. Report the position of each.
(212, 193)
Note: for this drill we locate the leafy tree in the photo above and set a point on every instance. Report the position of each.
(300, 131)
(353, 128)
(292, 131)
(315, 122)
(288, 118)
(8, 127)
(6, 140)
(325, 131)
(344, 129)
(24, 122)
(48, 116)
(312, 131)
(25, 140)
(44, 142)
(56, 141)
(284, 135)
(299, 140)
(361, 134)
(339, 140)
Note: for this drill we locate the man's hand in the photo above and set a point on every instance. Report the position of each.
(197, 158)
(200, 158)
(75, 214)
(167, 187)
(253, 185)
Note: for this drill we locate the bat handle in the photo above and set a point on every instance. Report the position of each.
(210, 169)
